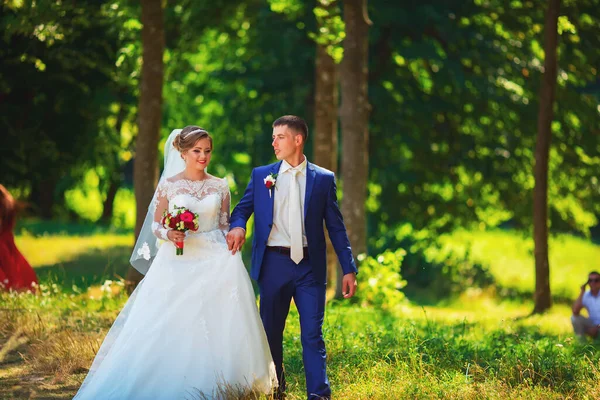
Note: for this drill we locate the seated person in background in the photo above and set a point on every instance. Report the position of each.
(15, 271)
(590, 300)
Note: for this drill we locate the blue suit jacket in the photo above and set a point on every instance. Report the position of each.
(320, 205)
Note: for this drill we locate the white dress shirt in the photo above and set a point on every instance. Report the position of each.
(280, 233)
(592, 305)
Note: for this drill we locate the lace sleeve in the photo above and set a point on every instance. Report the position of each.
(161, 204)
(225, 208)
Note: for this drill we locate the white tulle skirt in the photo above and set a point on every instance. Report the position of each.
(190, 329)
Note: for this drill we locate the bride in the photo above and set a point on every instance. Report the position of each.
(191, 329)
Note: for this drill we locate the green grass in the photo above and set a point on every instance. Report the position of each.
(509, 256)
(472, 349)
(475, 346)
(77, 260)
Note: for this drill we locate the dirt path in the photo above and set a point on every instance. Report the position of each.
(17, 381)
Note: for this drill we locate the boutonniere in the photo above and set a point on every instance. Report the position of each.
(270, 181)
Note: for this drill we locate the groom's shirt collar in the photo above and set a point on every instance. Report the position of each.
(285, 166)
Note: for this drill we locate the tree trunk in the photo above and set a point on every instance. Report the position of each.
(542, 296)
(355, 119)
(326, 141)
(115, 178)
(145, 167)
(109, 202)
(42, 195)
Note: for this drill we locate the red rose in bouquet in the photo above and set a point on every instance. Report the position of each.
(187, 216)
(181, 219)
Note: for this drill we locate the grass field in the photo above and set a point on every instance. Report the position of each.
(476, 346)
(509, 256)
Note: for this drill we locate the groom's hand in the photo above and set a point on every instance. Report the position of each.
(349, 285)
(236, 239)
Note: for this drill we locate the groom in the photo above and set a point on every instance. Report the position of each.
(291, 200)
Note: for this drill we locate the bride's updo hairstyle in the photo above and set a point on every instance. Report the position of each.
(188, 137)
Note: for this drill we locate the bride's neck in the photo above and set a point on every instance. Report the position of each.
(194, 175)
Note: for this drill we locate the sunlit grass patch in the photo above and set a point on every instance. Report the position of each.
(52, 250)
(509, 255)
(83, 261)
(62, 353)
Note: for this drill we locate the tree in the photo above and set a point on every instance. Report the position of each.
(325, 142)
(453, 87)
(145, 168)
(354, 114)
(55, 71)
(542, 297)
(114, 166)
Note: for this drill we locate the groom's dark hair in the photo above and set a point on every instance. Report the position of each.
(294, 123)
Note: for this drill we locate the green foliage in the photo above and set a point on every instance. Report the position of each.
(255, 66)
(453, 90)
(85, 200)
(289, 7)
(123, 217)
(37, 59)
(380, 282)
(331, 28)
(59, 79)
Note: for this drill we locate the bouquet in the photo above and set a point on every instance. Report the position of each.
(180, 219)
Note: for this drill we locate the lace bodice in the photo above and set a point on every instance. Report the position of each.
(209, 198)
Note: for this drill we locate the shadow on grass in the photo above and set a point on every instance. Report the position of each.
(34, 387)
(91, 268)
(428, 297)
(37, 227)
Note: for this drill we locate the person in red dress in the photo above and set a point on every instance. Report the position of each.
(15, 271)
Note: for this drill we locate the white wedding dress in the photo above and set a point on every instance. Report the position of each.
(192, 324)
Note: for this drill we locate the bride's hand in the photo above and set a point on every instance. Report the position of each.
(175, 236)
(236, 239)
